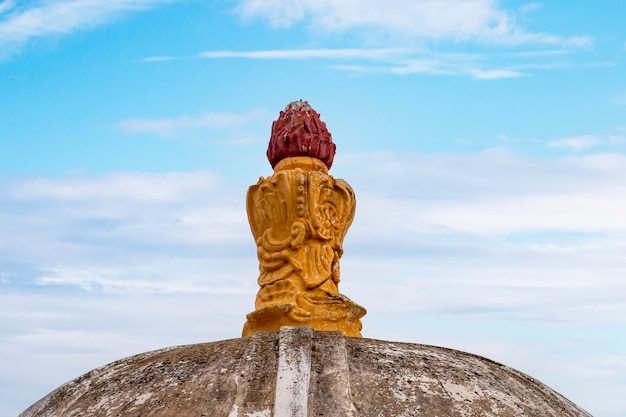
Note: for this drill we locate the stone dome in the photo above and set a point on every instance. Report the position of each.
(283, 367)
(300, 372)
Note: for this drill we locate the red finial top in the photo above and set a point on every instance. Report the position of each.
(300, 132)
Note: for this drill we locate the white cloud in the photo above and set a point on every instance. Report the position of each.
(617, 138)
(563, 212)
(494, 193)
(77, 226)
(170, 125)
(578, 143)
(18, 25)
(6, 5)
(297, 54)
(160, 278)
(346, 53)
(146, 188)
(530, 7)
(158, 59)
(457, 20)
(403, 61)
(434, 68)
(495, 74)
(620, 99)
(79, 220)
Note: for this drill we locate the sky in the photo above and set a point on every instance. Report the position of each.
(485, 141)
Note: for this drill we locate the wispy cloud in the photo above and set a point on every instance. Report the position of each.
(145, 188)
(620, 99)
(430, 31)
(159, 59)
(144, 280)
(579, 143)
(456, 20)
(296, 54)
(611, 141)
(436, 66)
(494, 74)
(530, 7)
(21, 23)
(493, 194)
(345, 53)
(618, 137)
(403, 61)
(169, 125)
(496, 192)
(6, 5)
(80, 216)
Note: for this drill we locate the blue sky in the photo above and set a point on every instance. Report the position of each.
(485, 140)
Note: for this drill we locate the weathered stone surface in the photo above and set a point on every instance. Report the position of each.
(402, 379)
(343, 376)
(211, 379)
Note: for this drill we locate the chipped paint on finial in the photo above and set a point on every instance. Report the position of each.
(299, 131)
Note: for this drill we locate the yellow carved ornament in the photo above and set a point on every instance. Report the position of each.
(299, 217)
